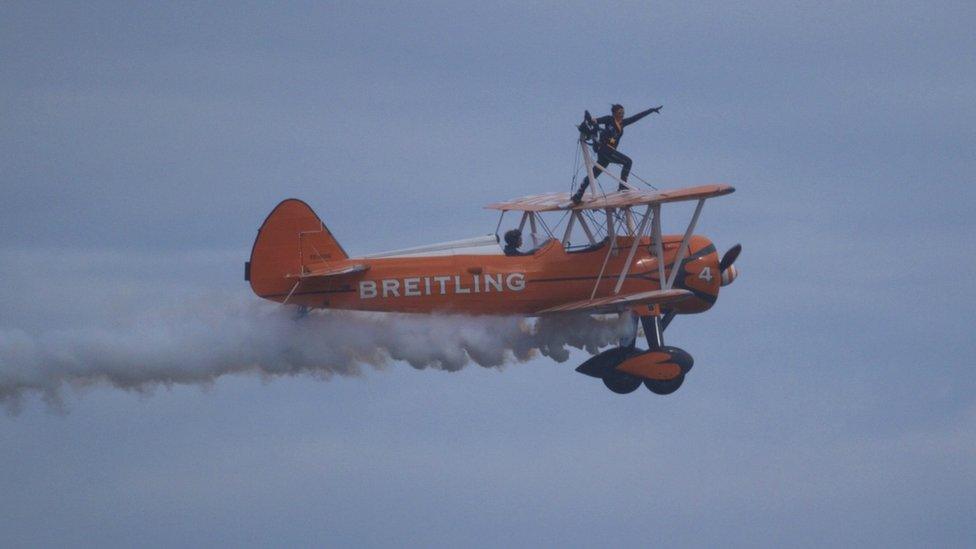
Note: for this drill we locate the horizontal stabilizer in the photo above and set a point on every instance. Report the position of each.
(325, 272)
(620, 302)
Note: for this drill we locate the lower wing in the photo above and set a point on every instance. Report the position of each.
(617, 303)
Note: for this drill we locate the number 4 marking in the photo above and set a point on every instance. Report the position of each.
(706, 274)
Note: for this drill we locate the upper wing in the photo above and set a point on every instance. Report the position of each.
(620, 199)
(620, 302)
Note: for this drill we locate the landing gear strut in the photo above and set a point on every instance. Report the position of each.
(660, 368)
(653, 331)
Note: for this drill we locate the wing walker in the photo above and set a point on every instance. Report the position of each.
(605, 255)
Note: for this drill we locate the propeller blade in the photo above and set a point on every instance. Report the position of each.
(730, 257)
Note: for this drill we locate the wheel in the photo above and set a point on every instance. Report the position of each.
(664, 387)
(681, 358)
(621, 383)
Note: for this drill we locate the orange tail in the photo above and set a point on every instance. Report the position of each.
(291, 237)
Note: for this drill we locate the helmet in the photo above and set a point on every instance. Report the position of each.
(513, 237)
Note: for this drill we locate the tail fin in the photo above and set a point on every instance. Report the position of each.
(291, 237)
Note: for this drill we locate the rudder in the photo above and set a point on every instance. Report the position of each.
(291, 237)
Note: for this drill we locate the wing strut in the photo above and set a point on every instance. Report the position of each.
(612, 235)
(633, 247)
(569, 228)
(629, 217)
(574, 216)
(683, 248)
(583, 224)
(658, 243)
(532, 227)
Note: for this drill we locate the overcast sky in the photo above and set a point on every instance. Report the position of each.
(832, 400)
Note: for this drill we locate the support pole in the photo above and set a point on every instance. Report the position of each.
(589, 166)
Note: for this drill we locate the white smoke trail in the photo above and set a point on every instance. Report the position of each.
(196, 346)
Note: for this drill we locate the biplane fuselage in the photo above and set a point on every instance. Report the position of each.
(500, 284)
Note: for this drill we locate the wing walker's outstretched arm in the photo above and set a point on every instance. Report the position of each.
(631, 119)
(604, 120)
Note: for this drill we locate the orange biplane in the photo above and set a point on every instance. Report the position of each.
(624, 266)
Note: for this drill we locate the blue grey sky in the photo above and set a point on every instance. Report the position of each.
(832, 400)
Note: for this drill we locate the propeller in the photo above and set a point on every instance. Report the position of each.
(730, 256)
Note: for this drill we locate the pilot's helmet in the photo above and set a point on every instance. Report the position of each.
(513, 238)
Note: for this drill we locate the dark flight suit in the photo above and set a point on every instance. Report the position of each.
(606, 147)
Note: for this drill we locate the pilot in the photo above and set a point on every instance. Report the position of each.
(513, 240)
(611, 130)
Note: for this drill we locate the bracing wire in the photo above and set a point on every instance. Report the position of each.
(599, 225)
(545, 226)
(576, 167)
(642, 181)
